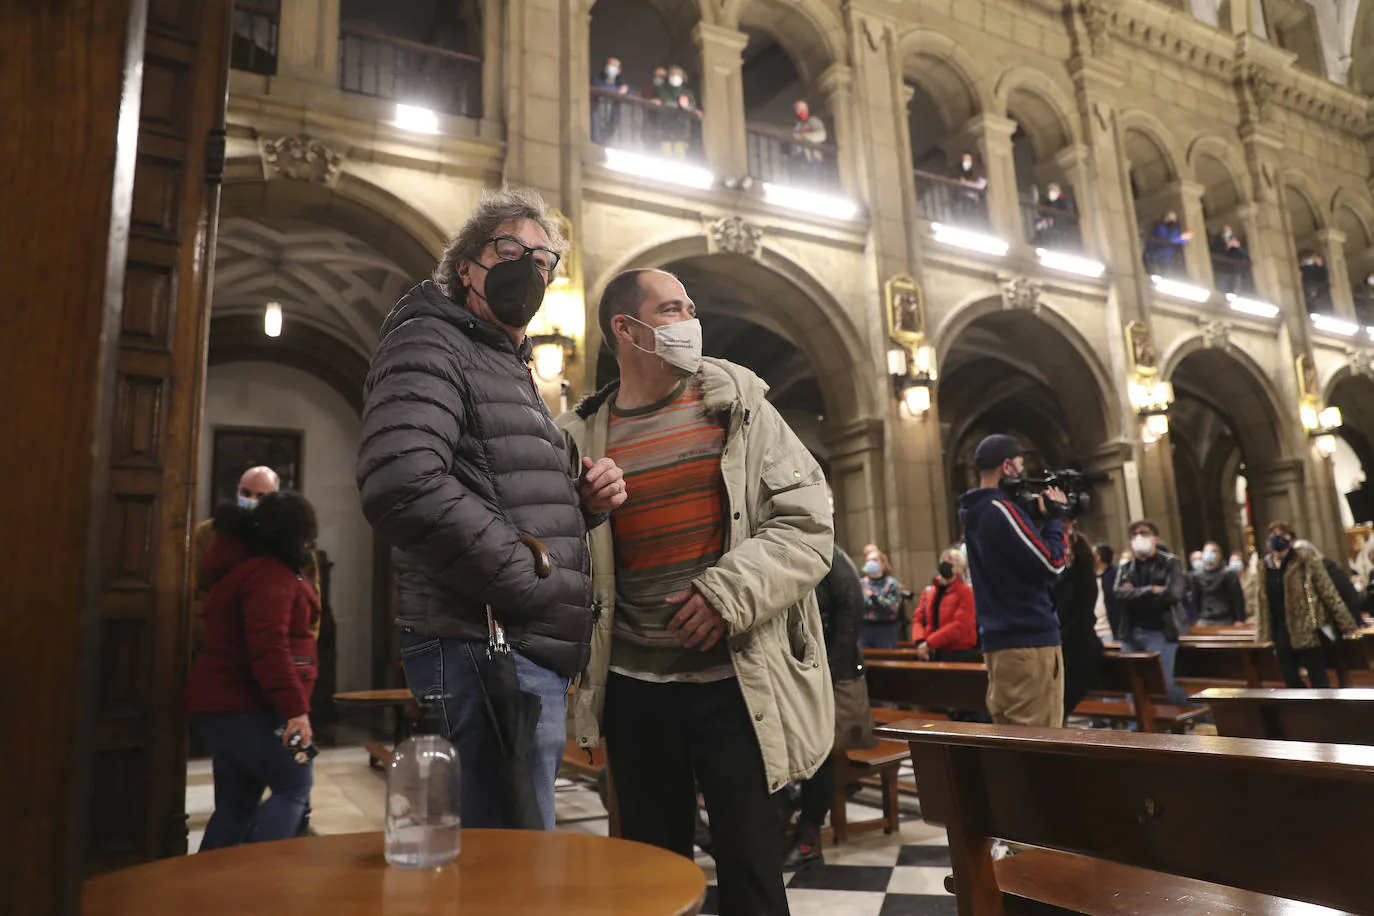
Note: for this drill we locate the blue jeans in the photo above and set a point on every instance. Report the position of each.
(1142, 640)
(878, 635)
(249, 758)
(447, 675)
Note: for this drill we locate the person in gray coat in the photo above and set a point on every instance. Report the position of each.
(461, 470)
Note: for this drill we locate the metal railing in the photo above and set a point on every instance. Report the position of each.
(1051, 227)
(633, 123)
(254, 37)
(385, 67)
(948, 200)
(775, 155)
(1232, 274)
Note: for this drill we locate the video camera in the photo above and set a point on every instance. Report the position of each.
(1025, 491)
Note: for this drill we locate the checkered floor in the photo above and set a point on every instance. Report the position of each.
(871, 875)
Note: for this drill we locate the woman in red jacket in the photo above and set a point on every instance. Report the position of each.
(945, 628)
(249, 689)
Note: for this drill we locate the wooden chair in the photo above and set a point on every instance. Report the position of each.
(1145, 824)
(1331, 716)
(1136, 679)
(883, 762)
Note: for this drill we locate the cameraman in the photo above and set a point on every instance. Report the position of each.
(1014, 564)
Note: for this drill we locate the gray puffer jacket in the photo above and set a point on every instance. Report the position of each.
(458, 458)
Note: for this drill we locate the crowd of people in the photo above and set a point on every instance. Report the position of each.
(668, 546)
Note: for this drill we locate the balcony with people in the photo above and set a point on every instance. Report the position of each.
(1049, 167)
(950, 174)
(1228, 219)
(788, 131)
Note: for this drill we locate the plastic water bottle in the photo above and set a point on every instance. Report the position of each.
(423, 814)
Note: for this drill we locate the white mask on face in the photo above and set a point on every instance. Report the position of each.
(1142, 546)
(678, 344)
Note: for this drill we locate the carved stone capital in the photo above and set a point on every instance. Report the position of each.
(1259, 84)
(1022, 293)
(1217, 334)
(300, 159)
(1097, 25)
(733, 235)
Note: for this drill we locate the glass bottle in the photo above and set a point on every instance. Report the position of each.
(423, 816)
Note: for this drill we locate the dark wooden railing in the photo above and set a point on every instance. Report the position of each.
(253, 46)
(1163, 258)
(409, 72)
(1051, 227)
(777, 156)
(1231, 274)
(633, 123)
(948, 200)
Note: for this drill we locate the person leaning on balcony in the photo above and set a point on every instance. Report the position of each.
(675, 93)
(606, 121)
(809, 133)
(1166, 241)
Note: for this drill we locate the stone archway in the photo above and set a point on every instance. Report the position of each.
(1353, 393)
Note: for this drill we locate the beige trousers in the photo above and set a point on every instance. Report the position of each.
(1026, 686)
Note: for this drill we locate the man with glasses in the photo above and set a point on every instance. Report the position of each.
(459, 466)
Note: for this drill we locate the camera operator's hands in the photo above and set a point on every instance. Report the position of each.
(1053, 494)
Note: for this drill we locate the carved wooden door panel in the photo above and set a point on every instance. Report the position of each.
(138, 765)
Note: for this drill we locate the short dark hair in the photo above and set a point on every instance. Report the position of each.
(1143, 523)
(1285, 527)
(623, 296)
(1105, 553)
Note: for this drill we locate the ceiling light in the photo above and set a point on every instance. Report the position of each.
(271, 319)
(1252, 306)
(809, 201)
(973, 241)
(420, 120)
(1333, 325)
(1180, 290)
(1070, 263)
(668, 170)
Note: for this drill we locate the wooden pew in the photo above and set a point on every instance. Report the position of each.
(1137, 678)
(1145, 824)
(1226, 664)
(1330, 716)
(938, 685)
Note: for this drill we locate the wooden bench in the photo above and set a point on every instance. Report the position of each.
(1144, 824)
(1136, 678)
(864, 764)
(1329, 716)
(407, 716)
(1226, 664)
(931, 685)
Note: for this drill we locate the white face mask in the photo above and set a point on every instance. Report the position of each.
(678, 344)
(674, 81)
(1142, 546)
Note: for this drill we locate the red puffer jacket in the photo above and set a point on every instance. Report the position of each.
(258, 651)
(951, 625)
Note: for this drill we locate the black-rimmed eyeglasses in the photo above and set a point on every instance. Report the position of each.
(509, 249)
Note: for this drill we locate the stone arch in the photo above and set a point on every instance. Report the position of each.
(1039, 105)
(1353, 393)
(1354, 216)
(312, 350)
(947, 72)
(807, 30)
(812, 318)
(1219, 167)
(1301, 198)
(1153, 154)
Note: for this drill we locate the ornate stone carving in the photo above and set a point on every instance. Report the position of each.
(301, 159)
(1144, 356)
(1259, 84)
(1362, 363)
(1216, 334)
(1096, 22)
(1022, 293)
(733, 235)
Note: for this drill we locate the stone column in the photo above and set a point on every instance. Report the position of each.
(1196, 255)
(722, 98)
(1278, 492)
(493, 65)
(1072, 161)
(1159, 492)
(1327, 531)
(856, 479)
(1332, 245)
(1110, 513)
(990, 136)
(837, 85)
(308, 42)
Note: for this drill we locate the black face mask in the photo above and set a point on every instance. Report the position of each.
(515, 290)
(946, 571)
(1279, 543)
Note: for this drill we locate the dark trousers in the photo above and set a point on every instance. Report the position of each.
(249, 759)
(816, 795)
(662, 741)
(1290, 660)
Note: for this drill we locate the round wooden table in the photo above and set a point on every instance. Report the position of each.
(499, 872)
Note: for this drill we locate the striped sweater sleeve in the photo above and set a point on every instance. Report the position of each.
(1028, 548)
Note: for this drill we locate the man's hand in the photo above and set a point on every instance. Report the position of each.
(300, 725)
(1051, 493)
(602, 486)
(923, 651)
(1157, 589)
(697, 625)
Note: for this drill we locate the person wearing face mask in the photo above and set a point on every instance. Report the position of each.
(1217, 595)
(882, 603)
(1150, 590)
(1299, 608)
(674, 92)
(462, 470)
(945, 628)
(1015, 563)
(708, 666)
(606, 110)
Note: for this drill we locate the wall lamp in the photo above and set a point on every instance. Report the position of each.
(1151, 398)
(1321, 426)
(913, 376)
(551, 354)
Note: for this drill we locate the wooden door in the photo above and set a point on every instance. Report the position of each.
(138, 740)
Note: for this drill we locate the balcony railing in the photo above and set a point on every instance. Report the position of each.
(378, 65)
(1364, 308)
(1163, 257)
(948, 200)
(255, 33)
(632, 123)
(1316, 289)
(1051, 227)
(1231, 274)
(777, 156)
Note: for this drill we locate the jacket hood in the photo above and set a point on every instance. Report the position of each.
(427, 300)
(980, 497)
(721, 383)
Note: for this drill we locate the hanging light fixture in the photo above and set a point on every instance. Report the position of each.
(271, 319)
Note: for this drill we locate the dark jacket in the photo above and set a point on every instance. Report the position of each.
(840, 598)
(1108, 579)
(946, 619)
(259, 649)
(1217, 597)
(1013, 565)
(1140, 606)
(459, 457)
(1075, 604)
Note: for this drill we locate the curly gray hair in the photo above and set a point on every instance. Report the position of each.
(496, 209)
